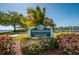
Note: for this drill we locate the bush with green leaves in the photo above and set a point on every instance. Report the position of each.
(36, 46)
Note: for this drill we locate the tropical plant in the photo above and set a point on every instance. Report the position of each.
(49, 22)
(27, 23)
(37, 15)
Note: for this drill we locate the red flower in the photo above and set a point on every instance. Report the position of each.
(70, 41)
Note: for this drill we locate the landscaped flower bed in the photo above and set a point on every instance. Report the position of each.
(36, 46)
(5, 44)
(69, 43)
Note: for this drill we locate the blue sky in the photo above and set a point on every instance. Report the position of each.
(62, 14)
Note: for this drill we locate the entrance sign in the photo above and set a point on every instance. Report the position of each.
(41, 31)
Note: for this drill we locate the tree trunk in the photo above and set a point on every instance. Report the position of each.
(14, 27)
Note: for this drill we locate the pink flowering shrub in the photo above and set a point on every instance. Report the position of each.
(5, 41)
(37, 46)
(69, 43)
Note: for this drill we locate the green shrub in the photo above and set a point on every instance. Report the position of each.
(36, 46)
(12, 32)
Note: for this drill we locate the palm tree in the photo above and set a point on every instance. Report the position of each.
(37, 15)
(23, 24)
(49, 22)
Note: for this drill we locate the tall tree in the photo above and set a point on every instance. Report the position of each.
(37, 15)
(14, 18)
(49, 22)
(2, 14)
